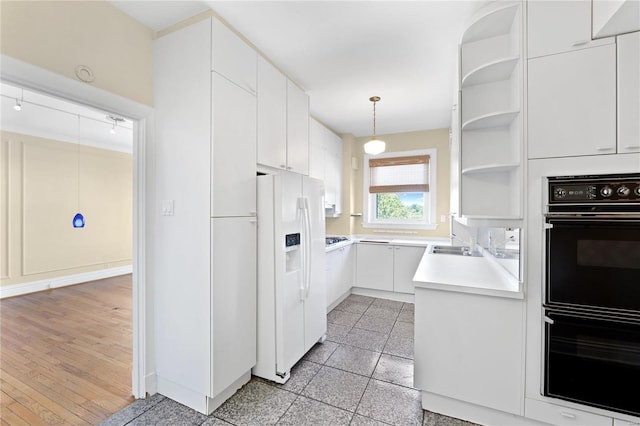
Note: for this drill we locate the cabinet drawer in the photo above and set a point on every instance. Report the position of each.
(561, 416)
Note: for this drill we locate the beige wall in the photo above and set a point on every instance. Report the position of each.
(39, 194)
(60, 35)
(352, 180)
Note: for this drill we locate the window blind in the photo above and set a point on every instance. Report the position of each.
(399, 174)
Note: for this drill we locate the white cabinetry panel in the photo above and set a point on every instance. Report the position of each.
(559, 26)
(297, 129)
(233, 298)
(232, 57)
(572, 103)
(405, 263)
(317, 151)
(469, 347)
(613, 17)
(233, 153)
(339, 273)
(204, 146)
(629, 92)
(182, 78)
(272, 116)
(387, 267)
(325, 163)
(374, 266)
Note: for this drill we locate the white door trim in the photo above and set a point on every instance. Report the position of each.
(29, 76)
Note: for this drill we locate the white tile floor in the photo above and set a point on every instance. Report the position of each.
(361, 375)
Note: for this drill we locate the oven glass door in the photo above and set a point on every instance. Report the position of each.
(594, 264)
(593, 361)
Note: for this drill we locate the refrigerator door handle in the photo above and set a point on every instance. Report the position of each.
(307, 216)
(304, 213)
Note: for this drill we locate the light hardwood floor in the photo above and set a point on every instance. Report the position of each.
(65, 354)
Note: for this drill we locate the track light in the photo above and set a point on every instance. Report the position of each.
(115, 120)
(18, 105)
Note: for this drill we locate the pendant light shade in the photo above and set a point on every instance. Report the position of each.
(78, 221)
(375, 145)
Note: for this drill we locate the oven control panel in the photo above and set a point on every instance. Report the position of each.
(594, 189)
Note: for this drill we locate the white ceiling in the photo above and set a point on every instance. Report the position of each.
(344, 52)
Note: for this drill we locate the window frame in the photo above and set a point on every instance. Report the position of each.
(368, 199)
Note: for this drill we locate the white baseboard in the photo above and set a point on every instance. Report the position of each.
(34, 286)
(391, 295)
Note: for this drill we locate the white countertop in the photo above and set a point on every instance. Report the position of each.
(466, 274)
(394, 241)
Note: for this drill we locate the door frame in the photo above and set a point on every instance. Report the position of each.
(32, 77)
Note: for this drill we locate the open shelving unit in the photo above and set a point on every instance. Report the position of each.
(491, 129)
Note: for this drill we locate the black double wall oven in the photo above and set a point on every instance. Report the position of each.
(592, 291)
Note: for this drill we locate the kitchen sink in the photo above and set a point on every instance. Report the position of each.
(455, 250)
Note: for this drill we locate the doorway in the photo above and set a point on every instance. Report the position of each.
(25, 75)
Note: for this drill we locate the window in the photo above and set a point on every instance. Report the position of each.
(399, 189)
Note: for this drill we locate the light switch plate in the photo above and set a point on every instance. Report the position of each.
(167, 207)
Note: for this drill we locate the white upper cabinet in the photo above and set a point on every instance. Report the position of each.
(405, 263)
(325, 163)
(283, 121)
(559, 26)
(233, 150)
(333, 174)
(628, 92)
(613, 17)
(297, 129)
(572, 103)
(317, 150)
(272, 115)
(232, 57)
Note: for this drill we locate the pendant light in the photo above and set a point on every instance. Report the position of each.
(375, 145)
(78, 219)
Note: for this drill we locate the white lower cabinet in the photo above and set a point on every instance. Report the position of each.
(374, 266)
(233, 299)
(562, 416)
(387, 267)
(339, 273)
(405, 263)
(469, 348)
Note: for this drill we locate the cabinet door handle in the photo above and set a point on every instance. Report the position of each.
(253, 220)
(567, 415)
(604, 148)
(580, 43)
(631, 147)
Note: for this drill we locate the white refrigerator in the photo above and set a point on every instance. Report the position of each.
(291, 272)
